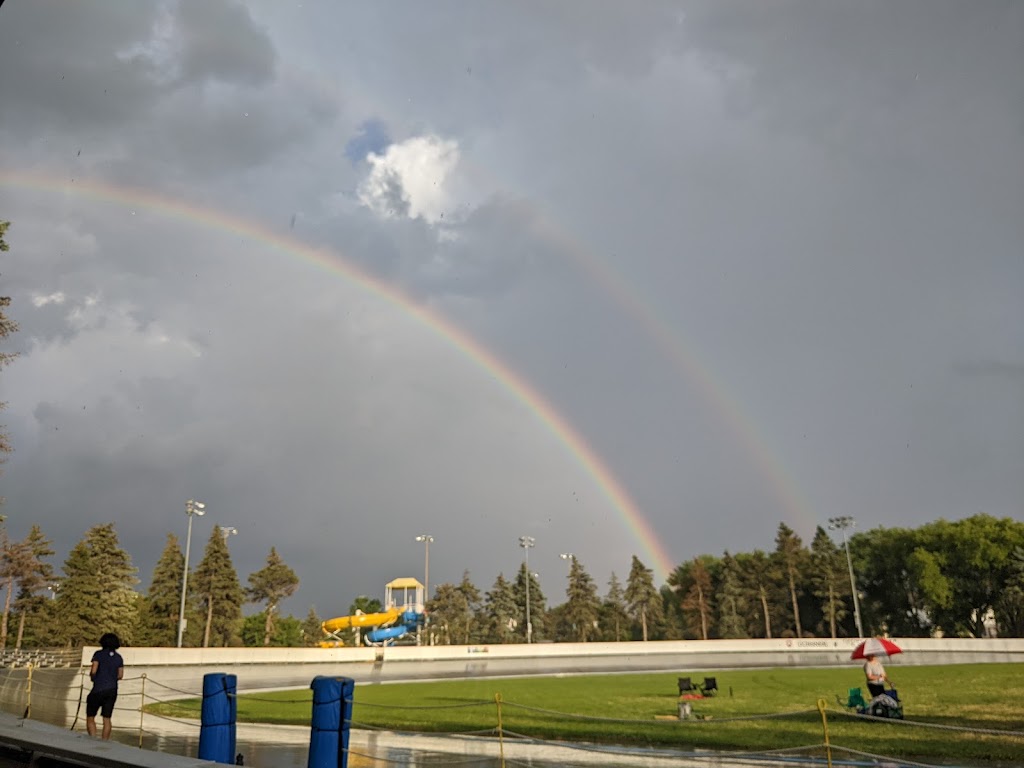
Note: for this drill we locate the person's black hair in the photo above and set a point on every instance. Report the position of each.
(109, 642)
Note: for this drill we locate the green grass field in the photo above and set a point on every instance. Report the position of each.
(982, 696)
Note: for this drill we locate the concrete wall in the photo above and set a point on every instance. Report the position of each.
(169, 673)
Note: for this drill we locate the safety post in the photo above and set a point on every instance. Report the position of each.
(217, 732)
(501, 734)
(142, 707)
(824, 727)
(28, 694)
(332, 718)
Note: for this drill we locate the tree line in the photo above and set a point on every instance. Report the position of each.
(957, 578)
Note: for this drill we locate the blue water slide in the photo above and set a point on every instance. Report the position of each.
(408, 622)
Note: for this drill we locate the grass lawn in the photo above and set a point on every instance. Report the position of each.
(977, 696)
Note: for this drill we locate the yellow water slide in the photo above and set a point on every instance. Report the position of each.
(361, 620)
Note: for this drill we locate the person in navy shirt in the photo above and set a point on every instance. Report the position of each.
(107, 668)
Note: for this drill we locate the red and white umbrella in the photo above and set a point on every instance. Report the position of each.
(875, 646)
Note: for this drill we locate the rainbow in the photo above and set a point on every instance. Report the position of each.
(679, 352)
(670, 342)
(583, 455)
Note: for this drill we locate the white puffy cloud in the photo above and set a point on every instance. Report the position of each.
(40, 300)
(412, 179)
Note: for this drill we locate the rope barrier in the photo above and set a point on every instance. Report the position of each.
(600, 719)
(193, 694)
(937, 726)
(372, 705)
(899, 760)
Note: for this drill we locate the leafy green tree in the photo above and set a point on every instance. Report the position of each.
(583, 606)
(220, 594)
(643, 601)
(287, 631)
(830, 581)
(792, 558)
(97, 593)
(614, 618)
(362, 604)
(973, 557)
(158, 622)
(501, 611)
(673, 626)
(732, 600)
(312, 634)
(538, 603)
(1010, 607)
(275, 582)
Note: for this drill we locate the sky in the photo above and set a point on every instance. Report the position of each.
(631, 279)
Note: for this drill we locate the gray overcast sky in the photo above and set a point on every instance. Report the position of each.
(764, 257)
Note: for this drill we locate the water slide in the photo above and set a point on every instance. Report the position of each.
(400, 617)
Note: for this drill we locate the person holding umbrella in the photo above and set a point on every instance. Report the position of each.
(875, 673)
(870, 650)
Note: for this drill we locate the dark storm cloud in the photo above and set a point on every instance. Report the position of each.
(61, 69)
(221, 41)
(817, 204)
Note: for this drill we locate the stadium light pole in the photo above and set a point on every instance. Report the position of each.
(526, 542)
(426, 539)
(841, 523)
(192, 509)
(228, 530)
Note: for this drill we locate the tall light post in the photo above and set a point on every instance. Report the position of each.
(192, 508)
(526, 542)
(841, 524)
(426, 539)
(228, 530)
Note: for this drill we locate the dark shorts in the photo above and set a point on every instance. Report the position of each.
(101, 701)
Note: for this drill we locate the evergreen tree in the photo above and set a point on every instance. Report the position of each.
(470, 629)
(37, 575)
(697, 598)
(614, 620)
(312, 634)
(830, 581)
(732, 602)
(760, 577)
(220, 594)
(643, 601)
(271, 584)
(792, 558)
(453, 609)
(447, 612)
(7, 327)
(97, 592)
(158, 625)
(538, 604)
(583, 607)
(501, 611)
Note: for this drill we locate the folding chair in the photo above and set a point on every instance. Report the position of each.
(709, 687)
(686, 686)
(854, 700)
